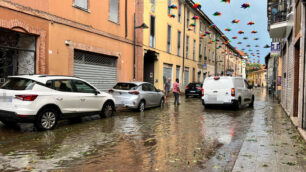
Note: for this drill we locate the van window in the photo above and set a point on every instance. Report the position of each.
(222, 83)
(239, 83)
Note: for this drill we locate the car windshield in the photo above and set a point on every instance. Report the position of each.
(195, 85)
(18, 84)
(125, 86)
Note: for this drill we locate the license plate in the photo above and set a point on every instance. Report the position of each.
(212, 98)
(6, 99)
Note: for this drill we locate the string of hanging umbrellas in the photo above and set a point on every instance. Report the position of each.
(217, 13)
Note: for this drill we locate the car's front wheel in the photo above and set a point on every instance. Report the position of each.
(46, 119)
(162, 102)
(252, 103)
(108, 110)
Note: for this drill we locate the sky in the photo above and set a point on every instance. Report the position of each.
(256, 13)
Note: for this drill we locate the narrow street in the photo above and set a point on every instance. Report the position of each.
(183, 138)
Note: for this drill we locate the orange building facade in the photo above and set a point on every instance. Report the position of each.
(91, 39)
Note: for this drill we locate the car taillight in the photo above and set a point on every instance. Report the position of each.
(134, 92)
(187, 87)
(26, 97)
(202, 91)
(216, 78)
(233, 92)
(199, 88)
(110, 91)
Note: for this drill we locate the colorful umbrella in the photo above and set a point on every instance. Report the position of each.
(245, 38)
(235, 37)
(241, 32)
(217, 13)
(235, 21)
(172, 15)
(254, 31)
(226, 1)
(251, 23)
(245, 5)
(195, 17)
(192, 25)
(256, 39)
(197, 5)
(173, 7)
(239, 42)
(227, 29)
(212, 26)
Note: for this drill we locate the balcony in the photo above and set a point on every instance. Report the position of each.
(277, 19)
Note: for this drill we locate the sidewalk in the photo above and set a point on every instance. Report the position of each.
(272, 143)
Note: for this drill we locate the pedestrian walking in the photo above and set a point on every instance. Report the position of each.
(176, 92)
(167, 89)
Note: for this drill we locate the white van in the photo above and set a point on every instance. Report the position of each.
(226, 90)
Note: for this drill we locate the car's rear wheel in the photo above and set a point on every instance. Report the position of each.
(108, 110)
(162, 102)
(238, 104)
(141, 106)
(46, 119)
(252, 103)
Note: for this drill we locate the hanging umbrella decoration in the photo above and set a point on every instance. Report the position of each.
(248, 45)
(228, 29)
(235, 37)
(245, 38)
(190, 29)
(197, 6)
(257, 46)
(251, 23)
(217, 13)
(226, 1)
(254, 31)
(241, 32)
(239, 42)
(210, 42)
(172, 15)
(212, 26)
(245, 5)
(206, 33)
(256, 39)
(235, 21)
(195, 17)
(192, 25)
(172, 7)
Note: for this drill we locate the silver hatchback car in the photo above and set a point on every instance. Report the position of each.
(137, 95)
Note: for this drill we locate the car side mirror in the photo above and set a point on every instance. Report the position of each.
(97, 92)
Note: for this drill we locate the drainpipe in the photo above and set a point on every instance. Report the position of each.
(184, 44)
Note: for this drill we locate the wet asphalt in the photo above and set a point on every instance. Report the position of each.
(187, 137)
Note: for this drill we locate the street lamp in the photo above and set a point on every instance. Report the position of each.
(142, 26)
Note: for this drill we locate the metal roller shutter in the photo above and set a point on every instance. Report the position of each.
(100, 70)
(186, 77)
(167, 73)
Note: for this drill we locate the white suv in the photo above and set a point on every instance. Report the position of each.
(227, 91)
(45, 99)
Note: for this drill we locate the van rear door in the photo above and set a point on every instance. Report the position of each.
(218, 90)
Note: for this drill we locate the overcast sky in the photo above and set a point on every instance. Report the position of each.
(256, 13)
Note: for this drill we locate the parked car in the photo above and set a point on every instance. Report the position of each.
(137, 95)
(45, 99)
(193, 89)
(233, 91)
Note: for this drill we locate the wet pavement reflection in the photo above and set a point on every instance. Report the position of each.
(174, 138)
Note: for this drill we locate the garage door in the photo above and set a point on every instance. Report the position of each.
(186, 77)
(100, 70)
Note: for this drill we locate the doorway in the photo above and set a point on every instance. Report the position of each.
(296, 78)
(17, 54)
(148, 69)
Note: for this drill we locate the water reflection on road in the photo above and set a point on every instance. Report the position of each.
(183, 138)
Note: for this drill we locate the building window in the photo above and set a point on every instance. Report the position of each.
(169, 40)
(152, 32)
(179, 16)
(114, 11)
(169, 9)
(83, 4)
(179, 43)
(200, 52)
(194, 50)
(153, 6)
(187, 47)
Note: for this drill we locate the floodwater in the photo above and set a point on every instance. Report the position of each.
(183, 138)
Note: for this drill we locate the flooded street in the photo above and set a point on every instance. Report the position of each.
(183, 138)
